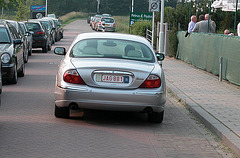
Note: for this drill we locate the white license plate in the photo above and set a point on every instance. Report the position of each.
(115, 78)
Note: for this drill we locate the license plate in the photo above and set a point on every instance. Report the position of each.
(107, 25)
(115, 79)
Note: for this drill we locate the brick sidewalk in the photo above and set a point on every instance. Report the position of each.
(215, 103)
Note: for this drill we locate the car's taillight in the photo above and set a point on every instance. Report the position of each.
(153, 81)
(72, 76)
(114, 25)
(40, 33)
(99, 23)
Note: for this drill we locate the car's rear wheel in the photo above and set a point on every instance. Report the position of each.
(156, 117)
(62, 112)
(13, 79)
(45, 48)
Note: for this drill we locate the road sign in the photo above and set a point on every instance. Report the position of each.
(35, 8)
(154, 5)
(135, 16)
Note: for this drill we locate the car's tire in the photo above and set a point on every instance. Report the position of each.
(45, 48)
(62, 112)
(30, 52)
(25, 57)
(22, 71)
(156, 117)
(14, 78)
(49, 47)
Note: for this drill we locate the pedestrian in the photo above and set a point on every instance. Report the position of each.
(208, 17)
(238, 29)
(202, 26)
(227, 32)
(191, 25)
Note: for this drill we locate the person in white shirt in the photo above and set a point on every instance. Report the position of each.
(191, 25)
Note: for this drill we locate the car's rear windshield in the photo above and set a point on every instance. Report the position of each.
(46, 24)
(108, 20)
(112, 48)
(4, 36)
(33, 26)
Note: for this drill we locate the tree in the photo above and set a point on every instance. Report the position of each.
(21, 10)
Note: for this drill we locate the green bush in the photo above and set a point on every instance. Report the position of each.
(173, 43)
(139, 28)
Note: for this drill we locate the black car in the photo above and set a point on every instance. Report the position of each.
(22, 35)
(12, 52)
(28, 36)
(41, 37)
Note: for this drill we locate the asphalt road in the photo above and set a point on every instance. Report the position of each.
(28, 127)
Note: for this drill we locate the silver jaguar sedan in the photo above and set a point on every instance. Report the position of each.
(110, 71)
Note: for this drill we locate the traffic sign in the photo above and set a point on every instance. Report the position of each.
(35, 8)
(154, 5)
(135, 16)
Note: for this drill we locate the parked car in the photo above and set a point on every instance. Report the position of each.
(28, 36)
(106, 24)
(59, 29)
(47, 24)
(54, 25)
(95, 22)
(22, 35)
(52, 16)
(41, 37)
(12, 53)
(106, 15)
(116, 72)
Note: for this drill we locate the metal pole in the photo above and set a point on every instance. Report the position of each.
(210, 3)
(46, 9)
(98, 6)
(153, 15)
(161, 44)
(165, 43)
(132, 4)
(220, 68)
(235, 21)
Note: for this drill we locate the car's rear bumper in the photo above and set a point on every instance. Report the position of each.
(39, 42)
(109, 99)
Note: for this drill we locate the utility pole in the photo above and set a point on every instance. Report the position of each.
(98, 6)
(161, 44)
(46, 8)
(132, 4)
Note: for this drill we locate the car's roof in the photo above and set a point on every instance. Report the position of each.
(106, 35)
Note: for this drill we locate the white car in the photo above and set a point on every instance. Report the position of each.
(110, 71)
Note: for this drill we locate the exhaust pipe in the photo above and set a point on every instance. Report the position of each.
(148, 110)
(73, 106)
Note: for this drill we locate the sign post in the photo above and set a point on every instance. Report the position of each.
(153, 7)
(38, 11)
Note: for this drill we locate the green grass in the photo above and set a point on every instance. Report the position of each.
(122, 24)
(72, 16)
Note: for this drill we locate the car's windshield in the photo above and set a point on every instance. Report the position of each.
(4, 36)
(112, 48)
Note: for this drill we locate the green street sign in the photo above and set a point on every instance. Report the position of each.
(135, 16)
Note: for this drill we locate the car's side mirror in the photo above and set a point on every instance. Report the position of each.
(60, 51)
(160, 56)
(18, 41)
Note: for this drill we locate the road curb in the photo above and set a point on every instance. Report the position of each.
(225, 134)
